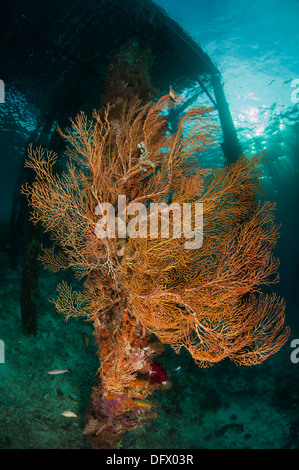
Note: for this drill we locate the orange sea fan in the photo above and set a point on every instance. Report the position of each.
(209, 299)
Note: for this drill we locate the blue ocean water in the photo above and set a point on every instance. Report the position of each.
(255, 46)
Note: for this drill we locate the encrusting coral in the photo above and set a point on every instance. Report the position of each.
(141, 292)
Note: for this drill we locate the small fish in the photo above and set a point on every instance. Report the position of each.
(143, 402)
(59, 371)
(85, 341)
(72, 399)
(69, 414)
(271, 82)
(176, 369)
(287, 81)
